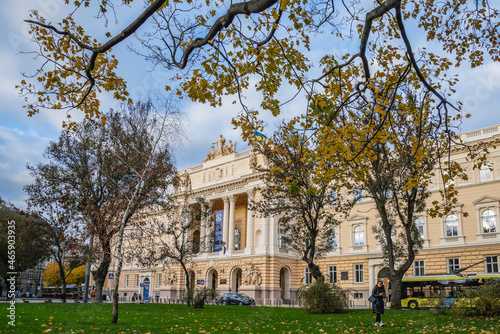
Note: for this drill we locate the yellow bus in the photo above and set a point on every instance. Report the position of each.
(439, 290)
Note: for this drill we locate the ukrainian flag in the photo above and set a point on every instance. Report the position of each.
(259, 136)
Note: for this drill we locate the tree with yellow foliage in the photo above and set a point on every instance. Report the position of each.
(269, 46)
(51, 275)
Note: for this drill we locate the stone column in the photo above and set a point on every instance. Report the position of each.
(250, 219)
(371, 278)
(273, 233)
(225, 223)
(208, 226)
(203, 228)
(265, 232)
(232, 207)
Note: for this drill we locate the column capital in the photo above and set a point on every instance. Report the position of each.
(251, 194)
(233, 198)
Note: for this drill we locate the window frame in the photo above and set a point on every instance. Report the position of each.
(158, 280)
(357, 295)
(359, 273)
(455, 265)
(358, 233)
(485, 173)
(307, 276)
(126, 281)
(237, 238)
(281, 236)
(482, 218)
(137, 279)
(492, 264)
(419, 268)
(332, 271)
(422, 233)
(446, 223)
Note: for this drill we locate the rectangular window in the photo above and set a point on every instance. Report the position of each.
(359, 273)
(152, 230)
(158, 283)
(136, 280)
(126, 281)
(332, 274)
(131, 233)
(492, 264)
(419, 268)
(485, 173)
(453, 265)
(358, 295)
(307, 276)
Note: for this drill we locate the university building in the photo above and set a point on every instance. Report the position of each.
(254, 260)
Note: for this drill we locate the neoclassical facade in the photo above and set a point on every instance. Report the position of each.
(254, 260)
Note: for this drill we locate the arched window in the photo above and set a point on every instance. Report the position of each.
(419, 223)
(281, 236)
(237, 239)
(359, 235)
(451, 225)
(488, 221)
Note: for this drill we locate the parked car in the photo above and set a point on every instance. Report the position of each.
(232, 298)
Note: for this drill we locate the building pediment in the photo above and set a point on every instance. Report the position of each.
(453, 205)
(357, 217)
(486, 199)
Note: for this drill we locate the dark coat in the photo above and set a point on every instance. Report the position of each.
(378, 305)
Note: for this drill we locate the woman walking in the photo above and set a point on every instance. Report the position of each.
(378, 293)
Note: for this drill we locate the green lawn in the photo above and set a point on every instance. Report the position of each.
(158, 318)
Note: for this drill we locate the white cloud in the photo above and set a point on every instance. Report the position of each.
(18, 147)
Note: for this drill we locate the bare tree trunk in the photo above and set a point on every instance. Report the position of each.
(116, 283)
(101, 272)
(396, 293)
(315, 271)
(186, 282)
(63, 281)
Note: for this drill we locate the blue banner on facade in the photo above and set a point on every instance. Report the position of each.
(218, 225)
(146, 292)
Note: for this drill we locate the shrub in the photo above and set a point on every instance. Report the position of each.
(197, 297)
(484, 301)
(321, 298)
(442, 305)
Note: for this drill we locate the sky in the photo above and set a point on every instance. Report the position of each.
(23, 139)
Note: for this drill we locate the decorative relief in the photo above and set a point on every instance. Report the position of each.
(220, 148)
(184, 183)
(218, 174)
(469, 171)
(251, 275)
(170, 277)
